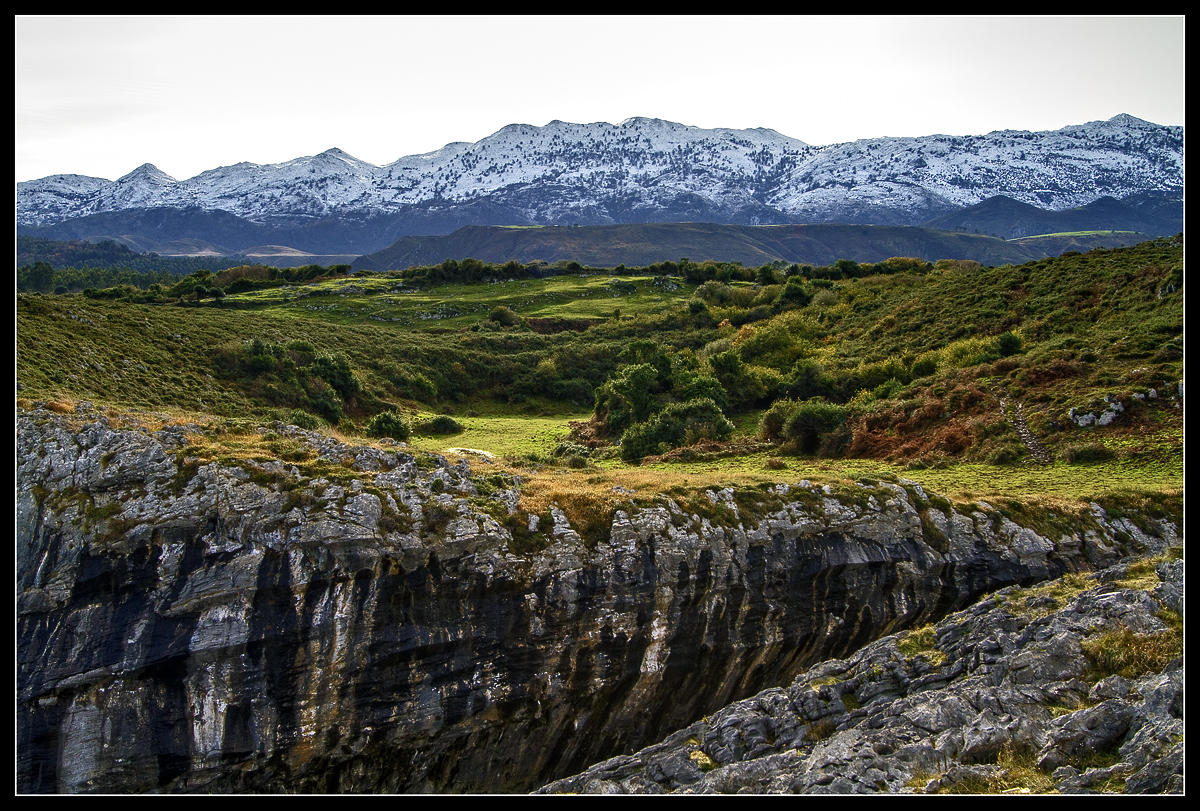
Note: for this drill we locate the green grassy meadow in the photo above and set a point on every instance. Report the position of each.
(916, 362)
(382, 300)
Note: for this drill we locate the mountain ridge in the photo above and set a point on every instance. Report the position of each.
(640, 171)
(752, 245)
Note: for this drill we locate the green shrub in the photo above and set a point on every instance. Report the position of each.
(767, 295)
(626, 398)
(810, 420)
(389, 424)
(336, 371)
(774, 344)
(743, 386)
(504, 316)
(1006, 455)
(324, 400)
(302, 419)
(923, 367)
(690, 385)
(648, 352)
(575, 390)
(676, 425)
(968, 352)
(887, 389)
(302, 352)
(567, 448)
(411, 384)
(770, 427)
(714, 292)
(807, 378)
(441, 425)
(824, 298)
(794, 293)
(1008, 343)
(871, 375)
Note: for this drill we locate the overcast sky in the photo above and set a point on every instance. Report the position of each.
(101, 95)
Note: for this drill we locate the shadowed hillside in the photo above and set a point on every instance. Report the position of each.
(631, 245)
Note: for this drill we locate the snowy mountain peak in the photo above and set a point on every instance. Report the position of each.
(147, 173)
(642, 121)
(335, 155)
(1129, 120)
(647, 169)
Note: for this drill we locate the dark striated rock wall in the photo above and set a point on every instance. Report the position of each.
(188, 627)
(1011, 695)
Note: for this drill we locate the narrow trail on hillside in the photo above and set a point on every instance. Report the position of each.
(1016, 418)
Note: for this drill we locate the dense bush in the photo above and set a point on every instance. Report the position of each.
(887, 389)
(1006, 455)
(795, 293)
(691, 384)
(923, 367)
(743, 386)
(810, 421)
(770, 426)
(441, 425)
(874, 374)
(678, 424)
(504, 316)
(626, 398)
(1007, 343)
(335, 370)
(410, 383)
(389, 424)
(714, 293)
(324, 400)
(302, 419)
(807, 378)
(293, 376)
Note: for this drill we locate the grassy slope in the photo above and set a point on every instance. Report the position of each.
(1105, 323)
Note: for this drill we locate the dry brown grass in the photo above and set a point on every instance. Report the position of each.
(1132, 654)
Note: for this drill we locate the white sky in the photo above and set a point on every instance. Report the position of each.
(101, 95)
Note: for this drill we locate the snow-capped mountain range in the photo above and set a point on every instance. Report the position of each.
(650, 170)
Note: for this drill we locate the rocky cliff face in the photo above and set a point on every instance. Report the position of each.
(1023, 692)
(378, 621)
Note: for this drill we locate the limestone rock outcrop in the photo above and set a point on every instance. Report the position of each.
(1009, 695)
(374, 620)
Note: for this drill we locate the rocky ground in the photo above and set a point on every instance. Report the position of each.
(1075, 686)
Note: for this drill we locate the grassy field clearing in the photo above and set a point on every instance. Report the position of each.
(388, 300)
(505, 437)
(515, 441)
